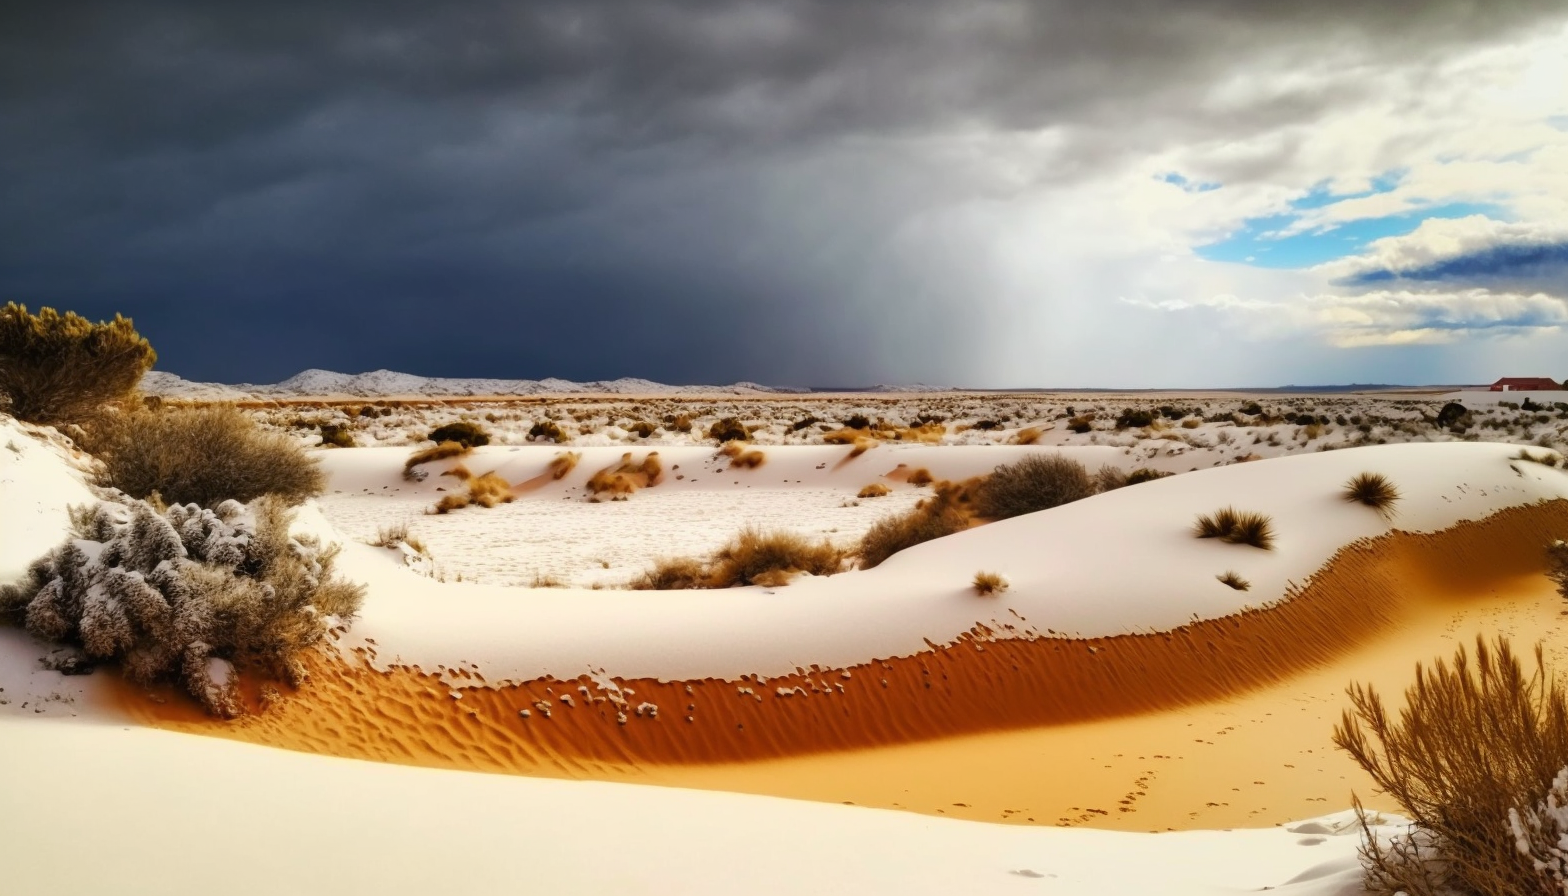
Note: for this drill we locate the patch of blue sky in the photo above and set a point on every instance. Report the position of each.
(1560, 122)
(1191, 186)
(1255, 245)
(1319, 196)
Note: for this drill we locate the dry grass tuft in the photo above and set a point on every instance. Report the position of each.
(1372, 489)
(741, 457)
(459, 472)
(439, 451)
(1470, 759)
(753, 557)
(989, 583)
(619, 481)
(874, 490)
(1028, 435)
(454, 501)
(931, 519)
(564, 463)
(1235, 581)
(1234, 526)
(1546, 460)
(489, 490)
(920, 476)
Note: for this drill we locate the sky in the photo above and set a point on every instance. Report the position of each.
(985, 193)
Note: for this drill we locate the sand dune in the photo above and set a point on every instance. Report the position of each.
(1383, 598)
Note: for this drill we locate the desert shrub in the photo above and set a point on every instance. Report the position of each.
(986, 425)
(618, 481)
(741, 457)
(204, 456)
(1236, 527)
(1081, 424)
(1144, 474)
(681, 423)
(874, 490)
(891, 534)
(1172, 413)
(547, 430)
(920, 476)
(390, 536)
(728, 429)
(1109, 478)
(564, 463)
(334, 436)
(1132, 418)
(1192, 423)
(440, 451)
(186, 594)
(1235, 581)
(1472, 759)
(802, 423)
(1037, 482)
(1545, 460)
(754, 553)
(57, 367)
(673, 573)
(857, 421)
(1028, 435)
(1372, 489)
(1252, 409)
(1557, 566)
(489, 490)
(463, 432)
(751, 558)
(642, 429)
(1451, 414)
(989, 583)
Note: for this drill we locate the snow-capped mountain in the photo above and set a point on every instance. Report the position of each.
(388, 383)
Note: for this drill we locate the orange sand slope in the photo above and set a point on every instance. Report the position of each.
(1196, 727)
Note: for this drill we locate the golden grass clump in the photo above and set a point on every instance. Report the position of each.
(1028, 435)
(1372, 489)
(932, 518)
(489, 490)
(1470, 758)
(741, 457)
(201, 455)
(753, 557)
(1234, 526)
(1548, 459)
(618, 481)
(989, 583)
(874, 490)
(1235, 581)
(920, 476)
(438, 451)
(564, 463)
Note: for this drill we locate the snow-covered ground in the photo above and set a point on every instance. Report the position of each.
(75, 770)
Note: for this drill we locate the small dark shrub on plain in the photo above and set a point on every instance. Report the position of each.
(335, 436)
(165, 594)
(1252, 409)
(857, 421)
(1372, 489)
(1134, 418)
(1144, 474)
(753, 557)
(462, 432)
(204, 456)
(57, 368)
(802, 423)
(1081, 424)
(1037, 482)
(547, 429)
(642, 428)
(728, 429)
(986, 425)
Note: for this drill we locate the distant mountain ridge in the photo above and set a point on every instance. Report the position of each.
(315, 383)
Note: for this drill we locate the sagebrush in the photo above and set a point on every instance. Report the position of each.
(1473, 759)
(167, 596)
(203, 455)
(1037, 482)
(57, 368)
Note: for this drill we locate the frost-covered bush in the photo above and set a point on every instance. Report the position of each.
(1541, 833)
(186, 595)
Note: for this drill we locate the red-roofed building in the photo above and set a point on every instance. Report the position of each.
(1526, 384)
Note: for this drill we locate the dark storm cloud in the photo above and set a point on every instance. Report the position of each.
(579, 188)
(1532, 266)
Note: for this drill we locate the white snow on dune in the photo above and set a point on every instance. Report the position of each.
(346, 827)
(39, 481)
(1122, 562)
